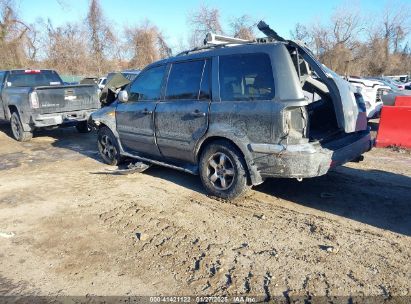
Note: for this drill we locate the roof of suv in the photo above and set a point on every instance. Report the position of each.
(224, 49)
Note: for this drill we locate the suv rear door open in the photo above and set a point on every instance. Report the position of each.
(345, 103)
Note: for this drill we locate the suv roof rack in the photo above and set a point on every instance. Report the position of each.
(201, 48)
(212, 40)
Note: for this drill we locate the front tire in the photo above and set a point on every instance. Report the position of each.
(108, 147)
(17, 129)
(223, 170)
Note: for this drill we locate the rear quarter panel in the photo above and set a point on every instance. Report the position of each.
(18, 98)
(262, 121)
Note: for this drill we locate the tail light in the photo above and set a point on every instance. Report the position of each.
(34, 100)
(296, 123)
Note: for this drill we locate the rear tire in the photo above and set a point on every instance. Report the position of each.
(108, 147)
(17, 129)
(83, 127)
(223, 171)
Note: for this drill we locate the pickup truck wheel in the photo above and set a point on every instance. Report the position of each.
(223, 170)
(83, 127)
(17, 128)
(108, 147)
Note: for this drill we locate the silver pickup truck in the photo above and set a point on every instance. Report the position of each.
(33, 99)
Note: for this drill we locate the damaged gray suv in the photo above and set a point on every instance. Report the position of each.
(236, 114)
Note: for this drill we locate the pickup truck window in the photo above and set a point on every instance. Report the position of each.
(246, 77)
(33, 78)
(147, 85)
(184, 80)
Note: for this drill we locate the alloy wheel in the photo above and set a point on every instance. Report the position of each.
(220, 171)
(107, 148)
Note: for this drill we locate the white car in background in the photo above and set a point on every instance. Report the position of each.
(372, 92)
(102, 82)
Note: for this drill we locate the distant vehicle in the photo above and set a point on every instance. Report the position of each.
(33, 99)
(130, 74)
(389, 98)
(400, 85)
(89, 80)
(102, 82)
(400, 78)
(116, 82)
(372, 92)
(237, 114)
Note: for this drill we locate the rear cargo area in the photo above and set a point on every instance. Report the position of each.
(322, 121)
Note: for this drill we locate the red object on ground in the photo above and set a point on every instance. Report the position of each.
(403, 101)
(395, 127)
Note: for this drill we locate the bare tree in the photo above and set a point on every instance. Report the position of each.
(66, 49)
(396, 21)
(13, 37)
(243, 27)
(301, 33)
(346, 25)
(335, 43)
(203, 21)
(147, 44)
(100, 35)
(32, 41)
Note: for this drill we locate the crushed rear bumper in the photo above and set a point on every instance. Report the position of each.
(310, 159)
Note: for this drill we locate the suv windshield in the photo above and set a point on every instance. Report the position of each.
(33, 78)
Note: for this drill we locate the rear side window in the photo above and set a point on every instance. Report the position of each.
(205, 91)
(184, 80)
(148, 85)
(246, 77)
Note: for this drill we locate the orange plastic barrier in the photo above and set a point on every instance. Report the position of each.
(395, 127)
(403, 101)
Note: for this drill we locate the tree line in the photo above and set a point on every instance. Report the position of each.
(350, 42)
(357, 43)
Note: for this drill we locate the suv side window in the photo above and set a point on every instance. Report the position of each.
(205, 91)
(246, 77)
(184, 80)
(147, 85)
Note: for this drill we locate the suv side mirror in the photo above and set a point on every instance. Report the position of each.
(123, 96)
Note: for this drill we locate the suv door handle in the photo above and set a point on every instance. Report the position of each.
(197, 113)
(146, 112)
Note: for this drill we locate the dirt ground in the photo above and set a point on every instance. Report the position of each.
(70, 225)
